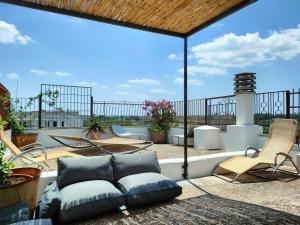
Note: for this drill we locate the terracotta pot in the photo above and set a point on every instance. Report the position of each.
(159, 137)
(24, 139)
(92, 135)
(22, 191)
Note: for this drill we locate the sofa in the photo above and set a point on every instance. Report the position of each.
(102, 184)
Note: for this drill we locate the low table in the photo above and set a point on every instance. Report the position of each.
(34, 222)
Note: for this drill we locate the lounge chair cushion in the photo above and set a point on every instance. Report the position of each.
(73, 170)
(147, 188)
(129, 164)
(49, 203)
(88, 199)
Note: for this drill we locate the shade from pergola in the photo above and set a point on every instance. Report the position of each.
(173, 17)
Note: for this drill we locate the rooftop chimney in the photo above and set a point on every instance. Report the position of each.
(244, 83)
(244, 87)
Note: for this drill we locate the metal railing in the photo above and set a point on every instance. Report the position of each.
(122, 113)
(71, 105)
(270, 105)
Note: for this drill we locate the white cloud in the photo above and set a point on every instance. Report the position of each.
(172, 56)
(87, 84)
(194, 70)
(192, 82)
(39, 72)
(239, 51)
(76, 20)
(13, 76)
(61, 74)
(144, 81)
(161, 91)
(124, 85)
(10, 34)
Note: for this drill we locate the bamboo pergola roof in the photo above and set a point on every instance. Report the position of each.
(172, 17)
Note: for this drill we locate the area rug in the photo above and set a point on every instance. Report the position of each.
(207, 210)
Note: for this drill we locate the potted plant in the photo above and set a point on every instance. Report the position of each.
(17, 185)
(162, 115)
(94, 128)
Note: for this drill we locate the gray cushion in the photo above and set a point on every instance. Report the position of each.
(49, 203)
(73, 170)
(129, 164)
(147, 188)
(87, 199)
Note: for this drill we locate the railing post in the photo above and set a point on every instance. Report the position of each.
(288, 104)
(92, 106)
(206, 111)
(40, 110)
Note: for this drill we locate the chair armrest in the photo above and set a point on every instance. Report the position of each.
(255, 154)
(29, 151)
(49, 203)
(26, 147)
(286, 156)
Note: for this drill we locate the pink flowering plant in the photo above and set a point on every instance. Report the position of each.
(161, 114)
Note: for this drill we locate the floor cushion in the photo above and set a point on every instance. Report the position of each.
(129, 164)
(88, 199)
(148, 188)
(49, 204)
(73, 170)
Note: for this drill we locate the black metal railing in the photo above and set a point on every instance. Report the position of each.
(64, 106)
(270, 105)
(123, 113)
(220, 111)
(68, 106)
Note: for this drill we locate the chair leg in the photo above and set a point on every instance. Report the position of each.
(222, 178)
(276, 168)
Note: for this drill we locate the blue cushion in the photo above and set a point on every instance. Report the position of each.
(140, 162)
(49, 203)
(88, 199)
(147, 188)
(73, 170)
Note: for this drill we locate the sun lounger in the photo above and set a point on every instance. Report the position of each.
(101, 143)
(273, 154)
(119, 131)
(34, 153)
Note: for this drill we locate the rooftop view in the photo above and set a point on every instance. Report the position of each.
(149, 112)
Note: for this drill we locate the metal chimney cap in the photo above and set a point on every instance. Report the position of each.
(244, 83)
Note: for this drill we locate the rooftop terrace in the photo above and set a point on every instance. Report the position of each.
(209, 200)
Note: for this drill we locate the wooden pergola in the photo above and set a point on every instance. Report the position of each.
(179, 18)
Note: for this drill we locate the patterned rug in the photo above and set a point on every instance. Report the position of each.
(206, 210)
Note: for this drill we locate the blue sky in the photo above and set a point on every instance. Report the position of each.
(125, 64)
